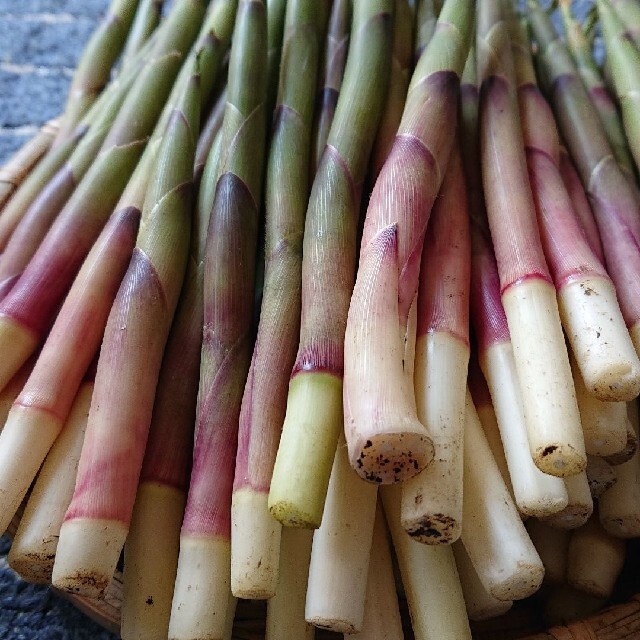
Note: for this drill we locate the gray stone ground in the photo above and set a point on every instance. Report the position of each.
(40, 41)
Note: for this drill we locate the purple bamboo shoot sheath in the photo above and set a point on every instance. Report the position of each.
(28, 311)
(199, 607)
(255, 558)
(581, 206)
(534, 492)
(386, 441)
(528, 294)
(615, 203)
(43, 405)
(586, 296)
(314, 417)
(129, 365)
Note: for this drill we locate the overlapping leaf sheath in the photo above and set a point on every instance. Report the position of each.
(27, 312)
(20, 164)
(386, 441)
(330, 77)
(623, 58)
(93, 70)
(314, 407)
(593, 323)
(45, 401)
(144, 23)
(581, 206)
(527, 292)
(580, 49)
(150, 570)
(255, 567)
(614, 201)
(227, 338)
(129, 365)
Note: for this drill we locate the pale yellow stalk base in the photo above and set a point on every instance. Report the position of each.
(24, 443)
(599, 339)
(481, 605)
(151, 561)
(87, 555)
(432, 500)
(341, 550)
(307, 446)
(203, 584)
(492, 532)
(552, 545)
(536, 493)
(285, 611)
(619, 507)
(595, 560)
(430, 580)
(381, 612)
(17, 343)
(600, 475)
(255, 546)
(604, 424)
(549, 401)
(580, 505)
(34, 546)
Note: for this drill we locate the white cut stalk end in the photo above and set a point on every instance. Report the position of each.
(255, 546)
(595, 560)
(25, 441)
(549, 401)
(201, 594)
(34, 546)
(150, 561)
(604, 423)
(87, 555)
(341, 551)
(537, 494)
(481, 605)
(599, 339)
(493, 534)
(579, 507)
(432, 500)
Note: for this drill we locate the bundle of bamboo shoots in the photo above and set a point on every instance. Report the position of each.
(277, 258)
